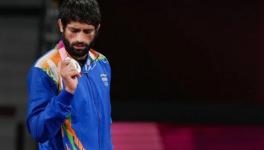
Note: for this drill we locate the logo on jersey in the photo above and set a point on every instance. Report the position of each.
(104, 79)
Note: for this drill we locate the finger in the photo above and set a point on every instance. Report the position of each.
(73, 73)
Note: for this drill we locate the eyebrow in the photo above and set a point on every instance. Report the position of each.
(80, 29)
(74, 28)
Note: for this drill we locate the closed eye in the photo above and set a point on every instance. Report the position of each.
(88, 31)
(74, 30)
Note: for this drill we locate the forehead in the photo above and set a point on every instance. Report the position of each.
(79, 25)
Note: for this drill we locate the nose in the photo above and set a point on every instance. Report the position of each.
(80, 37)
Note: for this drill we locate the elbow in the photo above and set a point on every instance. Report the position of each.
(36, 131)
(39, 138)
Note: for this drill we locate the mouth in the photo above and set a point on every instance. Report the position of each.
(79, 47)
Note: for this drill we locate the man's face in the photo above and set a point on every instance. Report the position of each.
(77, 38)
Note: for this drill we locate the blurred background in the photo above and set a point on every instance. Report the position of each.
(186, 74)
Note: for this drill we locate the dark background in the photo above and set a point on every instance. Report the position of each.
(181, 51)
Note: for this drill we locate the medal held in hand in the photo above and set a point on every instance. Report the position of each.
(74, 63)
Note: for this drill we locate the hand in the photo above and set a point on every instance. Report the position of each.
(69, 75)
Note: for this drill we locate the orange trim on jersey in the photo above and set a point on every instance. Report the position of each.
(56, 58)
(72, 132)
(95, 54)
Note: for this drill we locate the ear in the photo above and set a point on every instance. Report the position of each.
(60, 25)
(98, 27)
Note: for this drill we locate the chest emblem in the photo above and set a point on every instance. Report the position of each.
(104, 79)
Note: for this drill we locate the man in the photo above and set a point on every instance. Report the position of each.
(69, 109)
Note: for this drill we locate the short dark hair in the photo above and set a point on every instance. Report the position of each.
(86, 11)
